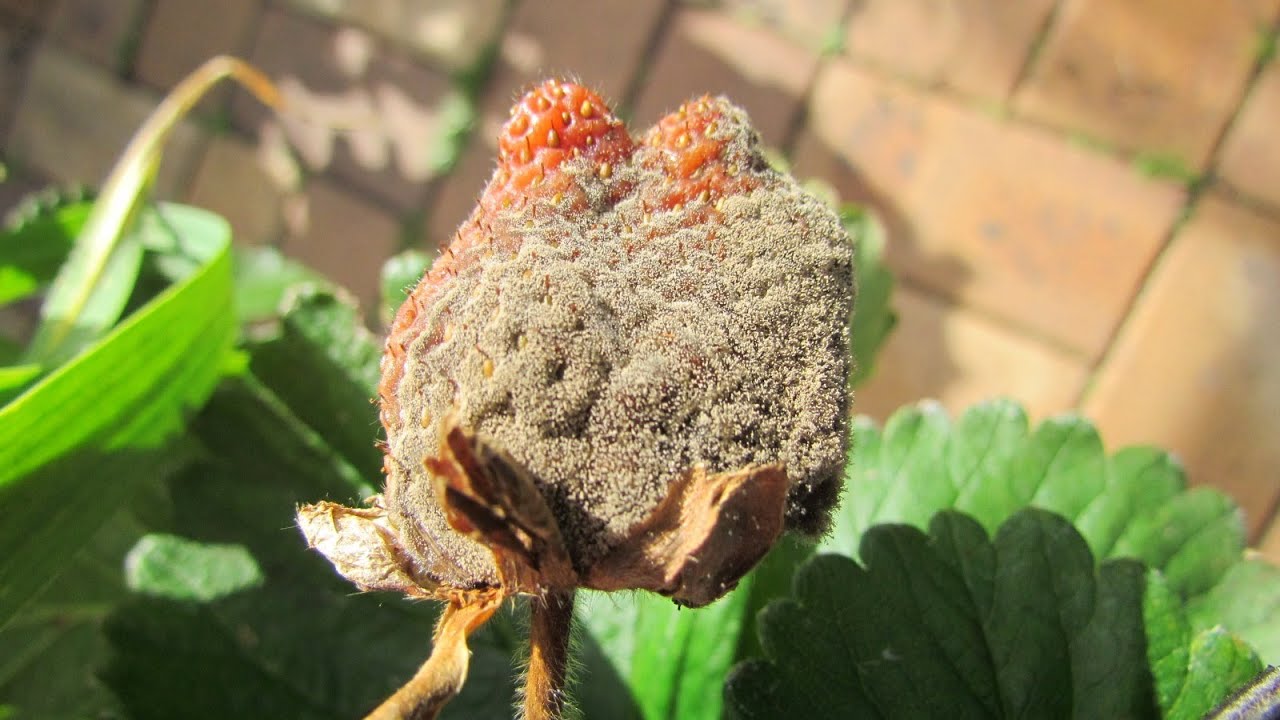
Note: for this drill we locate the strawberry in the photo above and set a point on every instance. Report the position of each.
(627, 370)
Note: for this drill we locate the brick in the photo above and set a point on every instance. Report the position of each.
(12, 66)
(814, 24)
(182, 34)
(600, 44)
(706, 51)
(1160, 76)
(457, 195)
(354, 109)
(1004, 217)
(977, 47)
(99, 30)
(234, 179)
(452, 32)
(956, 356)
(17, 185)
(28, 11)
(346, 238)
(75, 119)
(1250, 156)
(1197, 367)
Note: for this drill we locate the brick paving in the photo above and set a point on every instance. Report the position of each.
(1003, 144)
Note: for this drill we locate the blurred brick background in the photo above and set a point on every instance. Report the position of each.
(1082, 196)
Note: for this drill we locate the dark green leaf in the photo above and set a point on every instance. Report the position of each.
(36, 244)
(79, 441)
(322, 344)
(989, 464)
(49, 652)
(303, 644)
(954, 625)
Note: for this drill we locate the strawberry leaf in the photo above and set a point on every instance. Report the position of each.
(989, 464)
(1193, 670)
(953, 624)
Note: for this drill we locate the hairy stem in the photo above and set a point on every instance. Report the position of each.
(551, 618)
(442, 675)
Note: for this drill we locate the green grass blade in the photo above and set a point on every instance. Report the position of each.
(75, 442)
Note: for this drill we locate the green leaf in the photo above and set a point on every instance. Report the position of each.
(323, 344)
(49, 652)
(674, 660)
(872, 316)
(181, 569)
(1193, 670)
(1247, 600)
(400, 274)
(36, 244)
(955, 625)
(989, 464)
(16, 378)
(303, 643)
(264, 279)
(118, 407)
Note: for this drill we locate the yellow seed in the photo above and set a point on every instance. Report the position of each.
(541, 104)
(522, 342)
(704, 196)
(566, 118)
(557, 198)
(487, 368)
(520, 125)
(447, 334)
(606, 170)
(587, 109)
(591, 140)
(425, 421)
(683, 140)
(524, 155)
(553, 139)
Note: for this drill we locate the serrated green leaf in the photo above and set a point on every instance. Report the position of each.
(180, 569)
(954, 625)
(118, 408)
(35, 246)
(49, 652)
(1247, 600)
(265, 278)
(989, 464)
(322, 343)
(400, 273)
(1193, 670)
(303, 644)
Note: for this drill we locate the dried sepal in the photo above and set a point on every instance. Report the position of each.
(489, 497)
(364, 548)
(708, 532)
